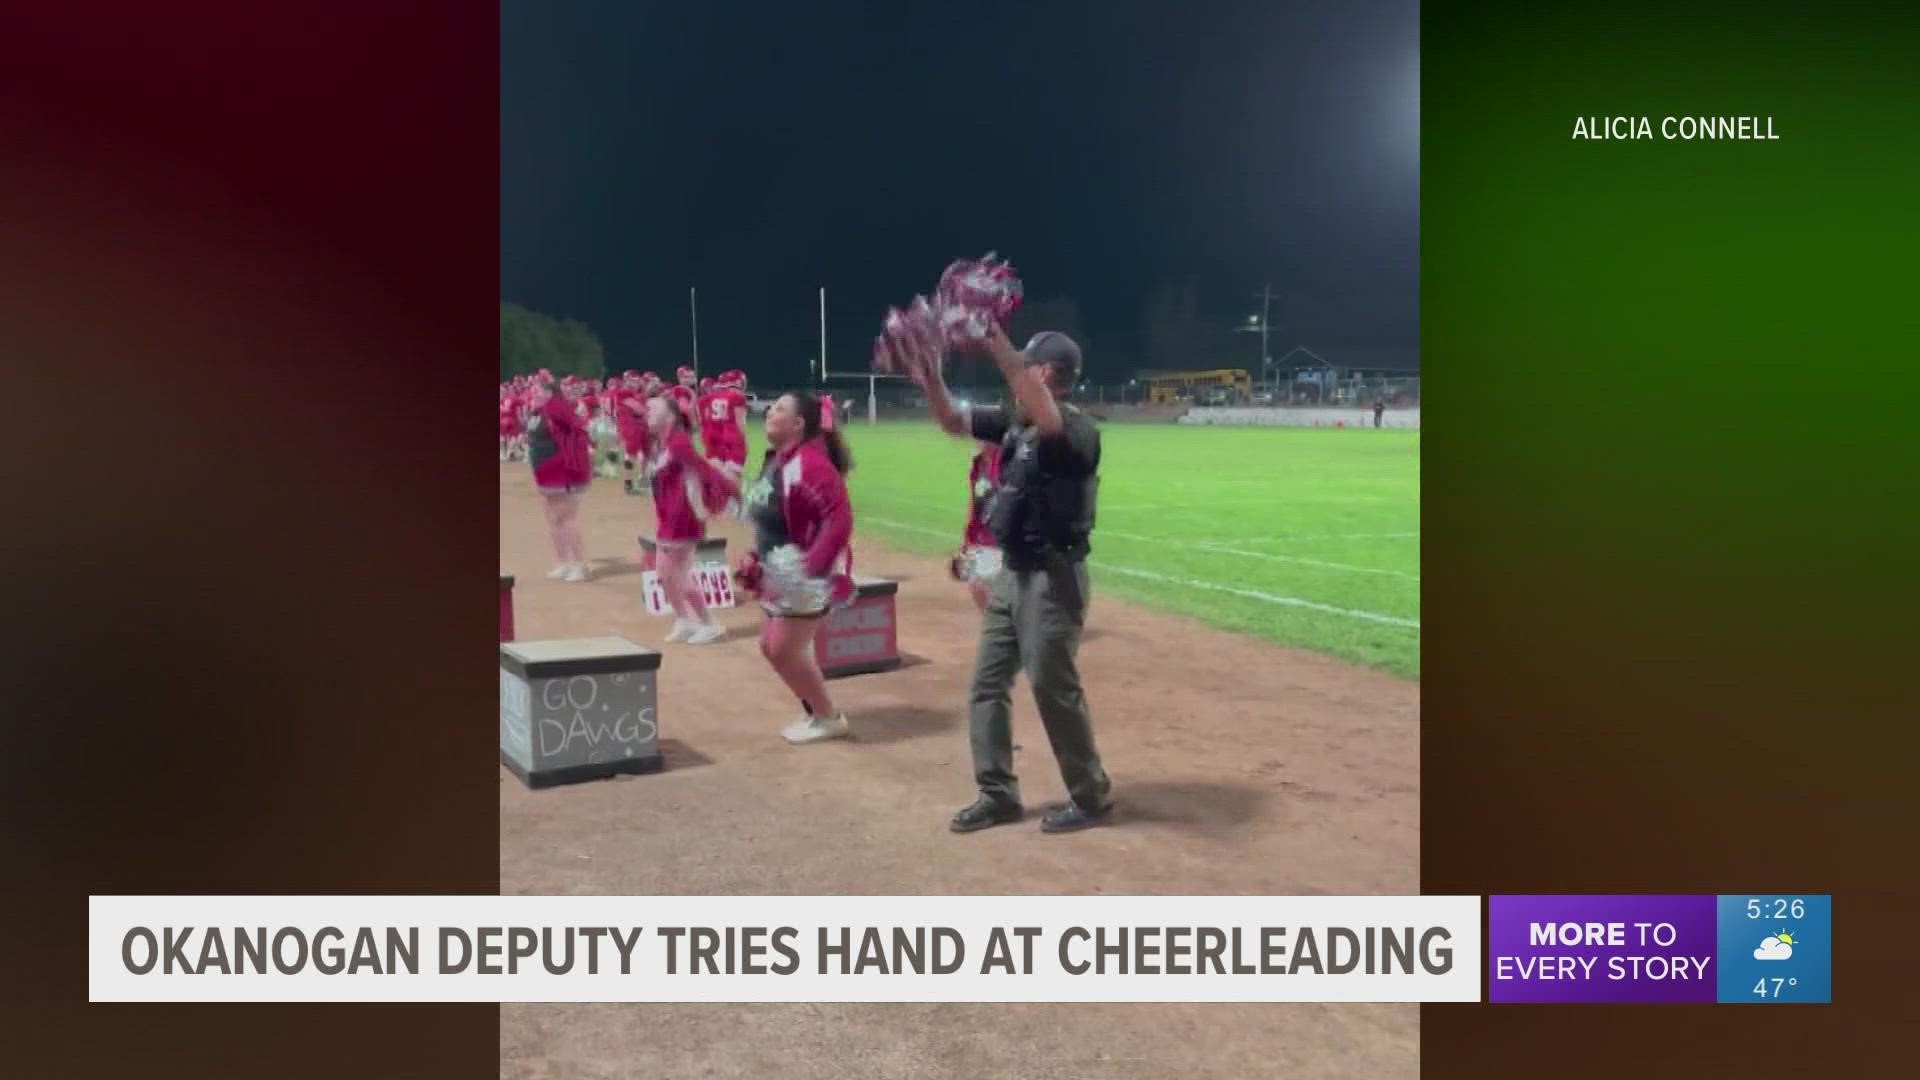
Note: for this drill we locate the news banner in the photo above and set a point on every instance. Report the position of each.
(1748, 948)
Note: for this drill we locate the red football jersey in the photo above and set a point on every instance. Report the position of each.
(720, 413)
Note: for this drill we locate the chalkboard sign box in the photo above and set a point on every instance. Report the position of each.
(862, 637)
(712, 549)
(579, 709)
(506, 607)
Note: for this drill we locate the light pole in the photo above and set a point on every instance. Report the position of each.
(1259, 323)
(1266, 317)
(693, 319)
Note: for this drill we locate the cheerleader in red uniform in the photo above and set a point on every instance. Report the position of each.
(686, 488)
(802, 522)
(511, 424)
(630, 418)
(979, 556)
(557, 450)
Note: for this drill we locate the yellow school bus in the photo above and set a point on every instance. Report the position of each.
(1219, 386)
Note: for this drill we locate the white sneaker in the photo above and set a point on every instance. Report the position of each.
(576, 572)
(558, 572)
(814, 729)
(679, 631)
(706, 633)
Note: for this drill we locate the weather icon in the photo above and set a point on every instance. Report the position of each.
(1777, 947)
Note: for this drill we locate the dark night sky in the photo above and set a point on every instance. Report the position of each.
(759, 151)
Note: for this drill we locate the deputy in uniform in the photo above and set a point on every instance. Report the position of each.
(1041, 517)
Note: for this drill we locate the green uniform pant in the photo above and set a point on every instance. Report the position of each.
(1033, 623)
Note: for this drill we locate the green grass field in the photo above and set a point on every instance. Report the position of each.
(1302, 536)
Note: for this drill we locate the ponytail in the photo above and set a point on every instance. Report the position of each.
(837, 452)
(808, 406)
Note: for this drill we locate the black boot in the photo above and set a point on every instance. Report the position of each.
(1070, 818)
(985, 813)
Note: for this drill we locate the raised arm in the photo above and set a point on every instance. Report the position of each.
(950, 418)
(559, 413)
(922, 365)
(1028, 383)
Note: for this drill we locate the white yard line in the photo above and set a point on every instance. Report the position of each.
(1250, 594)
(1288, 538)
(1217, 504)
(1219, 550)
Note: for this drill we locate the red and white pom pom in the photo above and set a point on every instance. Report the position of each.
(917, 329)
(974, 296)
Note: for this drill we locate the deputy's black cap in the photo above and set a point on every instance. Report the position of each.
(1056, 350)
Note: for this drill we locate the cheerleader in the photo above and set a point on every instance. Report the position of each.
(685, 489)
(604, 429)
(557, 450)
(979, 556)
(630, 417)
(512, 424)
(523, 409)
(800, 565)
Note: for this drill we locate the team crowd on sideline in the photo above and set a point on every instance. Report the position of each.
(1021, 554)
(643, 431)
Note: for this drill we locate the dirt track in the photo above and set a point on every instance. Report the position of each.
(1238, 767)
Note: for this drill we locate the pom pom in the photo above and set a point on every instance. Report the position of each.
(983, 564)
(974, 296)
(786, 585)
(913, 330)
(749, 573)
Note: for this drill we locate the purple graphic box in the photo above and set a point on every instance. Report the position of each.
(1601, 949)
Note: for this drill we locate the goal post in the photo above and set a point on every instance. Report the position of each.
(827, 375)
